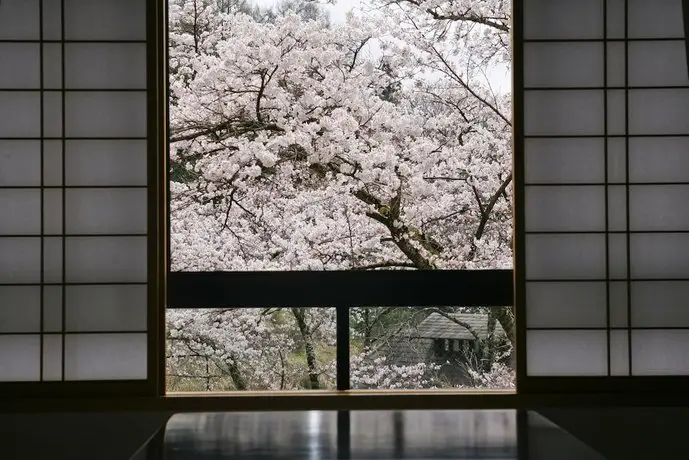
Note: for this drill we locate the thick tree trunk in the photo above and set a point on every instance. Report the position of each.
(309, 349)
(236, 375)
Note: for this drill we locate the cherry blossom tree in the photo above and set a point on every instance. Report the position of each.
(301, 144)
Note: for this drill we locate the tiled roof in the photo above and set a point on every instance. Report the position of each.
(437, 326)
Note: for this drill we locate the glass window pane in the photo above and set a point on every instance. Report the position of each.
(333, 169)
(431, 347)
(238, 349)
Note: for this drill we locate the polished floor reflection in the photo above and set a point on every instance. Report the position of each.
(478, 434)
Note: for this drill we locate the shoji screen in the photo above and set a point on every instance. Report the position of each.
(602, 170)
(78, 191)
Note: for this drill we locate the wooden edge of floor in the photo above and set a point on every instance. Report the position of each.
(340, 401)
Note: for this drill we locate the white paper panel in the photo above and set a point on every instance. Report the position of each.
(566, 353)
(556, 304)
(563, 19)
(20, 309)
(578, 64)
(565, 256)
(52, 19)
(105, 19)
(21, 114)
(658, 207)
(659, 111)
(20, 211)
(52, 211)
(658, 63)
(112, 162)
(616, 112)
(660, 352)
(52, 260)
(20, 358)
(616, 63)
(52, 308)
(106, 308)
(659, 159)
(52, 357)
(660, 255)
(655, 19)
(105, 66)
(619, 353)
(105, 357)
(107, 211)
(615, 18)
(106, 259)
(105, 114)
(563, 113)
(52, 66)
(618, 303)
(563, 208)
(617, 255)
(20, 260)
(617, 160)
(52, 114)
(617, 208)
(20, 163)
(52, 163)
(564, 160)
(19, 20)
(660, 304)
(19, 65)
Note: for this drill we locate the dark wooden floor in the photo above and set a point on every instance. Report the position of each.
(479, 434)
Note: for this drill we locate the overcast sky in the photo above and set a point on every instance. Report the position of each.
(499, 77)
(337, 11)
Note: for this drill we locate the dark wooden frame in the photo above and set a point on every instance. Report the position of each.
(479, 288)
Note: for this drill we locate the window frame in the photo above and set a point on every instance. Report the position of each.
(339, 289)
